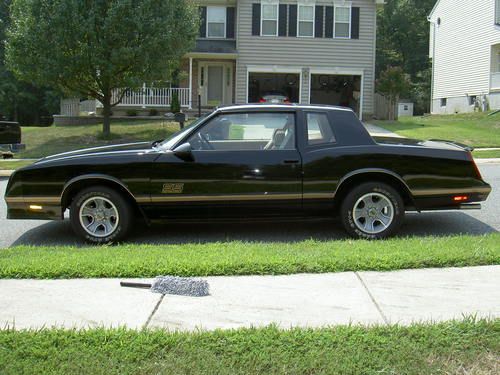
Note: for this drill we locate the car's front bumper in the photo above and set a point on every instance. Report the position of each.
(34, 208)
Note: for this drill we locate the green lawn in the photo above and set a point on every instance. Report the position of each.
(13, 164)
(475, 129)
(41, 142)
(465, 347)
(248, 258)
(486, 154)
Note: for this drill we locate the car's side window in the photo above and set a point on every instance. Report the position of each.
(246, 131)
(319, 129)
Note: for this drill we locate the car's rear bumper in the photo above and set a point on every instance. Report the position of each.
(451, 199)
(12, 147)
(34, 208)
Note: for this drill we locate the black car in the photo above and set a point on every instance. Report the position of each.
(251, 162)
(10, 138)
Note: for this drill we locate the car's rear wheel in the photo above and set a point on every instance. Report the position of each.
(373, 210)
(100, 215)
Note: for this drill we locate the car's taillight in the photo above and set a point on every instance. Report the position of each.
(476, 169)
(286, 101)
(262, 100)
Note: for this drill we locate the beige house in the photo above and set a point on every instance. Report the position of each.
(310, 51)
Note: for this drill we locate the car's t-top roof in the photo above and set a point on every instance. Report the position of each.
(281, 106)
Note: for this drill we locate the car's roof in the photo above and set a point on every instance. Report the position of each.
(237, 107)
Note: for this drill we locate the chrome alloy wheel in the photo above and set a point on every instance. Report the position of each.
(373, 213)
(99, 217)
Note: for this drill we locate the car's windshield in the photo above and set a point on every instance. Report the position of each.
(168, 143)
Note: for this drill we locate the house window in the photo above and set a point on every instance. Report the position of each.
(342, 24)
(444, 102)
(472, 99)
(216, 22)
(497, 12)
(269, 20)
(306, 20)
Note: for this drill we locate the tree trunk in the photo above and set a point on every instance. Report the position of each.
(106, 112)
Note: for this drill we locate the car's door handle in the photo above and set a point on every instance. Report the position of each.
(291, 161)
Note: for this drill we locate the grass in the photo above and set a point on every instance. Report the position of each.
(13, 164)
(474, 129)
(465, 347)
(486, 154)
(41, 142)
(251, 258)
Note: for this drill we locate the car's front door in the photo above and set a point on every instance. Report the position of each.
(243, 164)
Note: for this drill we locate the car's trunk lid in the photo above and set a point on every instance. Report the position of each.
(433, 143)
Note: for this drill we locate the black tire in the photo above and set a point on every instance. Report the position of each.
(384, 230)
(124, 214)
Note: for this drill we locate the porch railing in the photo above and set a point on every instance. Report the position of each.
(495, 80)
(153, 97)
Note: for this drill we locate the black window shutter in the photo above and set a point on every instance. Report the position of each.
(328, 22)
(355, 23)
(318, 22)
(230, 22)
(282, 20)
(203, 22)
(292, 27)
(255, 19)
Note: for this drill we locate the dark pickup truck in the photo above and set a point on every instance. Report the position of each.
(10, 138)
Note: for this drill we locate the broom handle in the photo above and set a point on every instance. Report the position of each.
(135, 285)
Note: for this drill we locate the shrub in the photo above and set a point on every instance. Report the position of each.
(175, 105)
(153, 112)
(131, 112)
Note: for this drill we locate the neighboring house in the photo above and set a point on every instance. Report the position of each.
(465, 51)
(319, 52)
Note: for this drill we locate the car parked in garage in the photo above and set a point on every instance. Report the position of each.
(251, 162)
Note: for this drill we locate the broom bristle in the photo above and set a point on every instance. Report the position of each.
(183, 286)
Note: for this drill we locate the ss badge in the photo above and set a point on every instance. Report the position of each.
(172, 188)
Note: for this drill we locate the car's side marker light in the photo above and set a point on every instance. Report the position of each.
(35, 207)
(460, 198)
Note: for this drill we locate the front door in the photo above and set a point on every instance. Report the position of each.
(216, 83)
(215, 89)
(245, 165)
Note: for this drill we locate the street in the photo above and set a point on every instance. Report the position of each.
(487, 220)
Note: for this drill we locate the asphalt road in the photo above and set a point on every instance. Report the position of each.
(487, 220)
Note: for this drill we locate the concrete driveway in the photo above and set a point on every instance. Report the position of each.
(487, 220)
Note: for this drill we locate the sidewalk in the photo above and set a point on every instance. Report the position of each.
(296, 300)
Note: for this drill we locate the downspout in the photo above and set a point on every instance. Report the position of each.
(433, 61)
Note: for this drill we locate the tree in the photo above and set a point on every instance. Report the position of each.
(20, 101)
(403, 40)
(393, 83)
(99, 48)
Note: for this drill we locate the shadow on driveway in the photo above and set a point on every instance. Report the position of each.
(427, 224)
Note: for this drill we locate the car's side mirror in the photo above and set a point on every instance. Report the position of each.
(184, 152)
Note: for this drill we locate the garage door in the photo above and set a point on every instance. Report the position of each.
(343, 90)
(262, 84)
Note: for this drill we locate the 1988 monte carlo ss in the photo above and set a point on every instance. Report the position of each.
(251, 161)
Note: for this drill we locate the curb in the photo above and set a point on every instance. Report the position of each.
(6, 173)
(487, 161)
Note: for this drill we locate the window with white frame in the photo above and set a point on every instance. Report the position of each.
(216, 22)
(269, 19)
(306, 20)
(342, 24)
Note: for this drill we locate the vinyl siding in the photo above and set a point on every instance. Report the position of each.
(307, 53)
(461, 48)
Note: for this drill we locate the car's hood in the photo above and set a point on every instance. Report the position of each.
(103, 150)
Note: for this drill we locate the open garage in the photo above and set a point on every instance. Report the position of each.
(343, 90)
(261, 84)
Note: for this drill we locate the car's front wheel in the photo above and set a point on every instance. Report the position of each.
(373, 210)
(100, 215)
